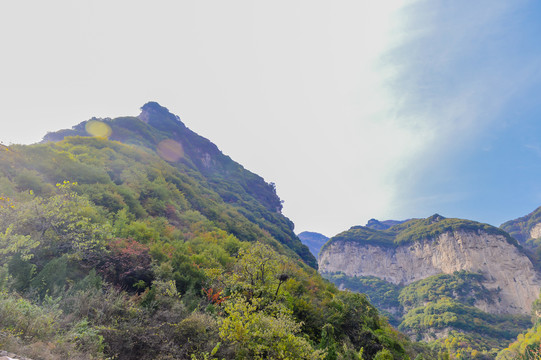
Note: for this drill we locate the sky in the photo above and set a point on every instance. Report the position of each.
(355, 109)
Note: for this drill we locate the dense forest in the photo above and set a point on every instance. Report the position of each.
(135, 237)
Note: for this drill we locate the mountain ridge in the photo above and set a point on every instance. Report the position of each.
(163, 132)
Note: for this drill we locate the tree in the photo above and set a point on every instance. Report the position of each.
(259, 335)
(42, 230)
(259, 273)
(66, 223)
(257, 322)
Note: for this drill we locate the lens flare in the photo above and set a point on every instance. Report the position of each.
(170, 150)
(98, 128)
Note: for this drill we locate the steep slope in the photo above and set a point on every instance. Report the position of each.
(160, 131)
(313, 240)
(421, 248)
(527, 230)
(464, 286)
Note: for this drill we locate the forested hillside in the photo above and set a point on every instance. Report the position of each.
(136, 238)
(527, 230)
(199, 160)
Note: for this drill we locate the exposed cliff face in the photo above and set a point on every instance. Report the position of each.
(535, 232)
(505, 268)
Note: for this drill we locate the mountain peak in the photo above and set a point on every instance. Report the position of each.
(159, 116)
(435, 218)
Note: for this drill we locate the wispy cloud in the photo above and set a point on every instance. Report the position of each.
(453, 75)
(356, 109)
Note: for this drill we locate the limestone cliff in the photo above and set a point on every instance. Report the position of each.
(535, 232)
(505, 268)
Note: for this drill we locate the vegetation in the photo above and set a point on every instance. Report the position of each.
(383, 225)
(446, 313)
(313, 240)
(361, 234)
(415, 230)
(199, 165)
(441, 310)
(463, 286)
(527, 345)
(109, 251)
(520, 228)
(431, 227)
(383, 294)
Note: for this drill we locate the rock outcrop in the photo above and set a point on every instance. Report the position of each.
(505, 268)
(535, 232)
(4, 355)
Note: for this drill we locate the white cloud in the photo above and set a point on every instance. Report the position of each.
(343, 104)
(453, 77)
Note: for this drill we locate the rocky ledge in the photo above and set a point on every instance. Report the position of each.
(4, 355)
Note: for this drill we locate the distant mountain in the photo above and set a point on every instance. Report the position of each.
(383, 225)
(313, 240)
(439, 278)
(525, 228)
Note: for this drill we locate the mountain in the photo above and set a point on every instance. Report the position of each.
(439, 277)
(527, 345)
(135, 238)
(162, 132)
(383, 225)
(313, 240)
(527, 230)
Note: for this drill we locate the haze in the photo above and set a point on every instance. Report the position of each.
(354, 109)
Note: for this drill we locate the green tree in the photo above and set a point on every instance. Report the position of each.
(258, 335)
(259, 273)
(66, 223)
(258, 323)
(383, 355)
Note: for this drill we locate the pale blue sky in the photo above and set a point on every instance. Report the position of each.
(392, 109)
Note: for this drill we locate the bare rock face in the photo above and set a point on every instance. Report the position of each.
(535, 232)
(504, 267)
(4, 355)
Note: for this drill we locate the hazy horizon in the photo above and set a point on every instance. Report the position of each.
(355, 110)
